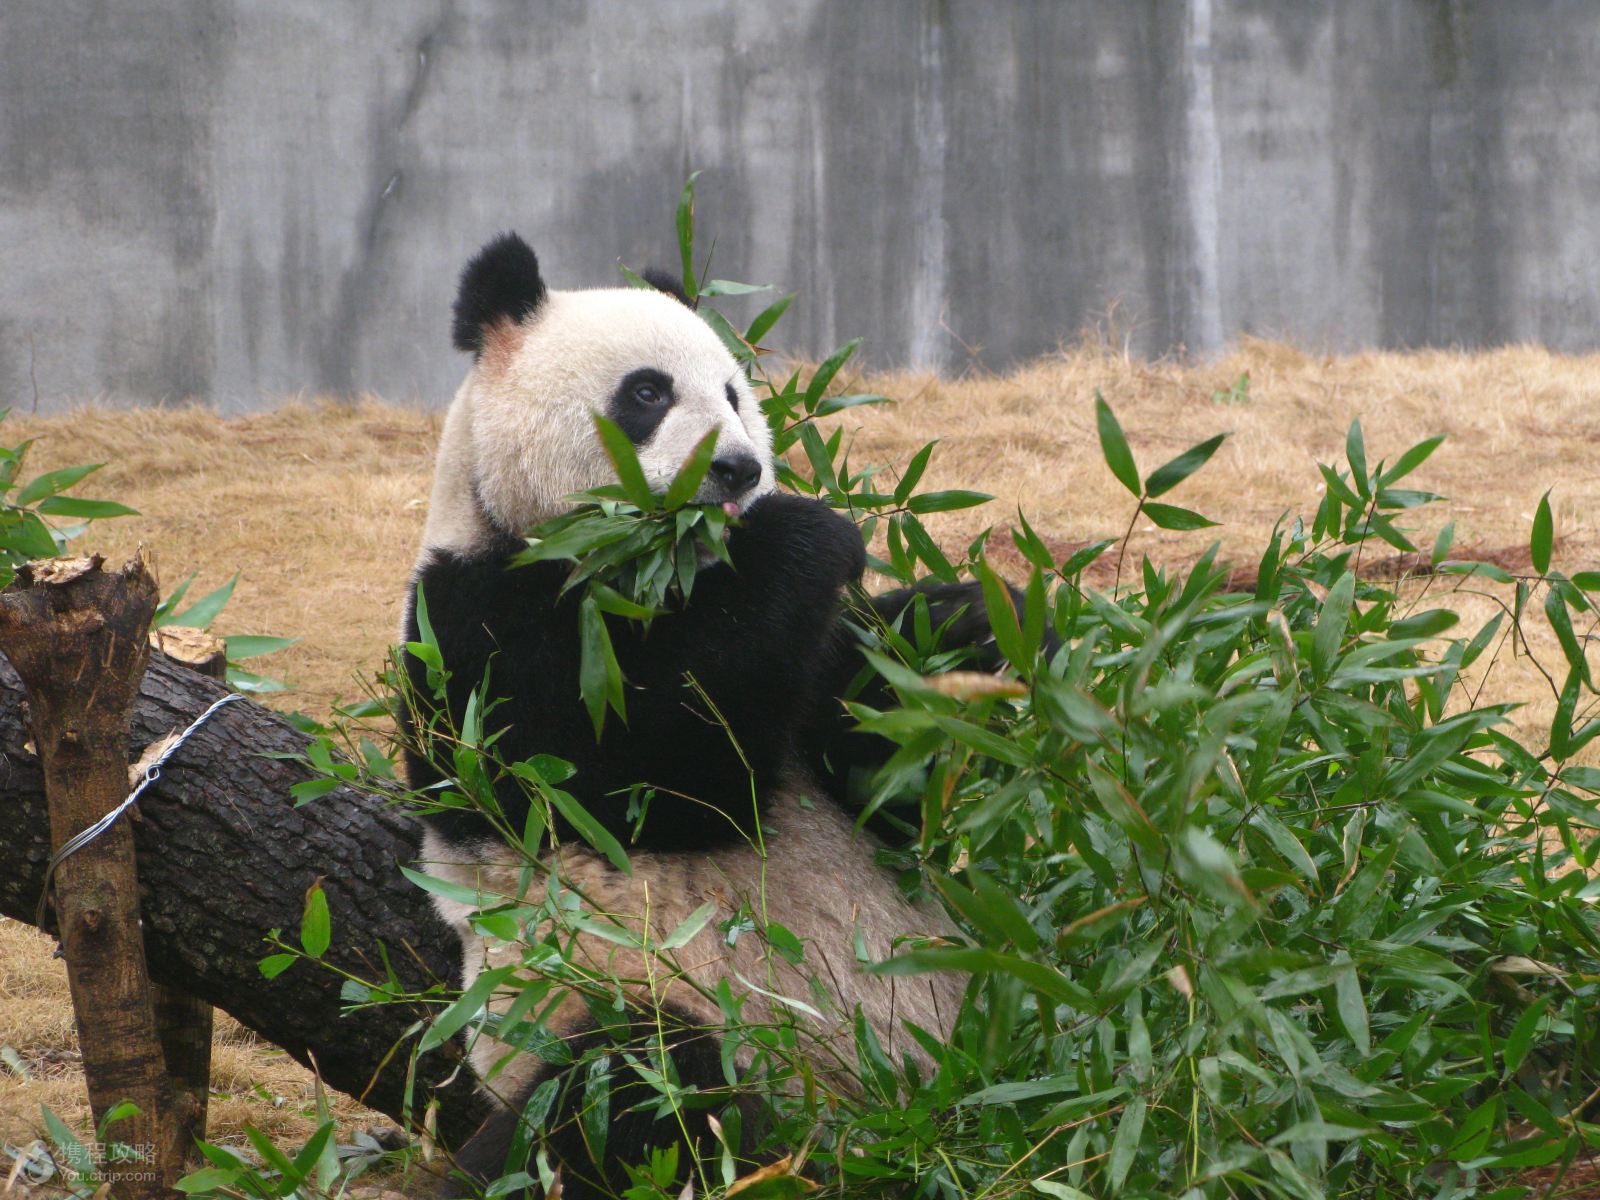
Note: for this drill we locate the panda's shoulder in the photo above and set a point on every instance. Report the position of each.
(474, 586)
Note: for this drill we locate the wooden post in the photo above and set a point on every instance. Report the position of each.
(184, 1023)
(76, 636)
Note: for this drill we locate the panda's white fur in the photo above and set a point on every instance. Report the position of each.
(818, 880)
(517, 441)
(520, 430)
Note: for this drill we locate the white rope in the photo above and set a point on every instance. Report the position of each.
(151, 773)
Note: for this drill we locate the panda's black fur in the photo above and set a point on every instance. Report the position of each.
(769, 657)
(666, 281)
(761, 639)
(501, 283)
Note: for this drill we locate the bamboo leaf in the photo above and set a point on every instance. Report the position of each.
(595, 1116)
(1170, 516)
(589, 829)
(253, 645)
(921, 543)
(1331, 623)
(1003, 910)
(948, 501)
(1114, 446)
(1355, 452)
(52, 482)
(274, 965)
(1542, 536)
(1039, 977)
(1126, 1142)
(818, 384)
(821, 460)
(693, 472)
(1410, 460)
(1555, 611)
(205, 610)
(625, 460)
(1387, 530)
(1002, 616)
(689, 926)
(729, 287)
(1442, 543)
(464, 1008)
(272, 1156)
(685, 227)
(89, 510)
(316, 926)
(731, 337)
(1169, 475)
(593, 651)
(767, 318)
(1059, 1191)
(1080, 559)
(1352, 1007)
(913, 473)
(1520, 1040)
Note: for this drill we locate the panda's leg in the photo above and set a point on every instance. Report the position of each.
(482, 1157)
(634, 1124)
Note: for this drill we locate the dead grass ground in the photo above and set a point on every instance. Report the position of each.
(251, 1080)
(319, 507)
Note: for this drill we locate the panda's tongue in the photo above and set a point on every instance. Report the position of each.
(729, 507)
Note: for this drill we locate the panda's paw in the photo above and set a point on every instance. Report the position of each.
(804, 535)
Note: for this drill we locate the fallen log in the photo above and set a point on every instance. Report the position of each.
(224, 857)
(184, 1023)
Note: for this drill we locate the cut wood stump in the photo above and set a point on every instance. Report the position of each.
(76, 634)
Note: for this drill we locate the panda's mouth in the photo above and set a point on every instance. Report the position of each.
(731, 508)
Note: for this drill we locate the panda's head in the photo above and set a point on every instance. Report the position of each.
(520, 436)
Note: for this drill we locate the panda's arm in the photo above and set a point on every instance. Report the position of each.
(719, 688)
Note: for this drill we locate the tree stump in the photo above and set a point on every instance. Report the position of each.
(77, 637)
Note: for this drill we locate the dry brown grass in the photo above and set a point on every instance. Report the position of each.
(1517, 420)
(319, 507)
(251, 1080)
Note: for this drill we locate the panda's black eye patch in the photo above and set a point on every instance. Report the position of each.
(640, 402)
(647, 386)
(733, 396)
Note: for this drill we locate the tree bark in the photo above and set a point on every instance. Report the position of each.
(225, 856)
(77, 637)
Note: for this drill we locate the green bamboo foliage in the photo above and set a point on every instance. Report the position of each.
(1256, 896)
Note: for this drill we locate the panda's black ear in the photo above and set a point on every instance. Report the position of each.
(501, 283)
(665, 281)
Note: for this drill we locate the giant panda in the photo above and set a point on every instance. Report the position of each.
(732, 707)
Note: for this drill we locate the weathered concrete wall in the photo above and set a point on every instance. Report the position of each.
(240, 201)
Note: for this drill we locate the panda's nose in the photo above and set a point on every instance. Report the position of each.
(738, 473)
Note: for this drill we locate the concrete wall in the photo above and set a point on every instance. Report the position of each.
(239, 201)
